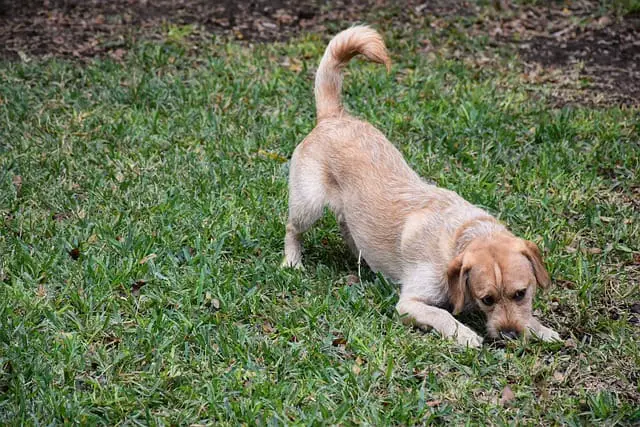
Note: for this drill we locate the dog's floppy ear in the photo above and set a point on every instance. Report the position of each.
(533, 254)
(457, 279)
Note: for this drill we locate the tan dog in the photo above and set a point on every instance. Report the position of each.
(441, 249)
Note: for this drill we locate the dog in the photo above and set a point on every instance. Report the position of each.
(441, 249)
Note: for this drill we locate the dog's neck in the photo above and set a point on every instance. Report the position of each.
(475, 228)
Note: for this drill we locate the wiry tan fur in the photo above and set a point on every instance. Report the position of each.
(441, 249)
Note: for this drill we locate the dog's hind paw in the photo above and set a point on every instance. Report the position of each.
(297, 265)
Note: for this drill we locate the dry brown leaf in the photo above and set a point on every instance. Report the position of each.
(507, 396)
(352, 279)
(74, 253)
(147, 259)
(117, 54)
(271, 155)
(339, 340)
(42, 291)
(138, 284)
(17, 182)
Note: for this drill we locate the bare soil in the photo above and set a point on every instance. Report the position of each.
(593, 58)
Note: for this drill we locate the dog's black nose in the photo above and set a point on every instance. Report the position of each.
(510, 334)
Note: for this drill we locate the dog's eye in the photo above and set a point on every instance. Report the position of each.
(520, 294)
(488, 300)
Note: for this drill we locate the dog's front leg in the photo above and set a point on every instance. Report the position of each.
(426, 316)
(541, 331)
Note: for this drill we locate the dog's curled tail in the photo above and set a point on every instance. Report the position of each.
(341, 49)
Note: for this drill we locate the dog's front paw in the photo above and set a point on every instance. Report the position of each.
(550, 336)
(466, 337)
(547, 334)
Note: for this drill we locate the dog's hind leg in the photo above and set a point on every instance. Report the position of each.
(306, 201)
(348, 238)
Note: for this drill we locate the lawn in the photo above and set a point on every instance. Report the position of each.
(142, 210)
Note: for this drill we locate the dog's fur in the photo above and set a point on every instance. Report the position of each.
(441, 249)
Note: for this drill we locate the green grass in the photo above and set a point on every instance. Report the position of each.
(140, 245)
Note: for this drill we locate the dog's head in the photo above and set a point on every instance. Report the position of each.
(500, 273)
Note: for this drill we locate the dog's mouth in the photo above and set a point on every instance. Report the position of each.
(500, 340)
(509, 335)
(506, 334)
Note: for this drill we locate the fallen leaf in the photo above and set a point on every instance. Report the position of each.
(433, 403)
(135, 288)
(60, 216)
(23, 56)
(295, 66)
(420, 374)
(117, 54)
(210, 300)
(339, 340)
(147, 259)
(42, 291)
(17, 182)
(603, 21)
(92, 239)
(74, 253)
(111, 340)
(356, 369)
(271, 155)
(283, 18)
(507, 396)
(352, 279)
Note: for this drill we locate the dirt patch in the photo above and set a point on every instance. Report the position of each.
(89, 28)
(588, 57)
(605, 54)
